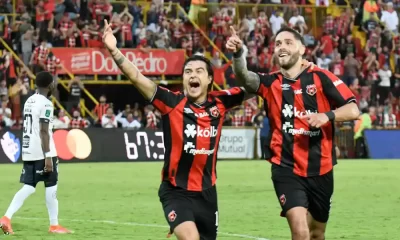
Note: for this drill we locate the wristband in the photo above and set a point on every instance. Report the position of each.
(238, 54)
(331, 115)
(47, 154)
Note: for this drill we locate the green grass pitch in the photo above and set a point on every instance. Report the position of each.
(119, 201)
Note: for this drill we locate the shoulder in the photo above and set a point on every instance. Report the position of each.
(230, 91)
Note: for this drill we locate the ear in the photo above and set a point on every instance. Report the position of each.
(210, 78)
(302, 49)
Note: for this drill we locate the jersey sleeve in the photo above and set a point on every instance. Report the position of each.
(266, 81)
(165, 100)
(231, 97)
(337, 92)
(46, 112)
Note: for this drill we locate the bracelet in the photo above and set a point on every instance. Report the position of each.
(47, 154)
(331, 115)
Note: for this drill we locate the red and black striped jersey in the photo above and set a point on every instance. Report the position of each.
(294, 144)
(191, 135)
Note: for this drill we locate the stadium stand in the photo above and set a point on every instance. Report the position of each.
(357, 40)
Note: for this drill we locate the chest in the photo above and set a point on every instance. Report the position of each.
(292, 99)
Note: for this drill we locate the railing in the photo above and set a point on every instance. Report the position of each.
(30, 74)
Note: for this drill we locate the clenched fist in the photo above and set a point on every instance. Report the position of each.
(234, 43)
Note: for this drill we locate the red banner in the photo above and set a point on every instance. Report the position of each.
(92, 61)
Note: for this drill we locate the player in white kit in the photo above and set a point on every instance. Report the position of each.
(39, 155)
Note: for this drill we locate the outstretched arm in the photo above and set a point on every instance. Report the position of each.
(145, 86)
(249, 80)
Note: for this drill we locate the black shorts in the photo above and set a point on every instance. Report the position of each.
(33, 172)
(313, 193)
(180, 205)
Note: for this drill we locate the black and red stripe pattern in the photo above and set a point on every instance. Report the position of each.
(191, 135)
(308, 151)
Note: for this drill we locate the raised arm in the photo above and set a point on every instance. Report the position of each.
(249, 80)
(145, 86)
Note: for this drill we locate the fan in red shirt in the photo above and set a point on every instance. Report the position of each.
(302, 104)
(192, 124)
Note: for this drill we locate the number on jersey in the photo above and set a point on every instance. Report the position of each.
(28, 121)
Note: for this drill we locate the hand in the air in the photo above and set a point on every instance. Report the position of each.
(234, 43)
(316, 120)
(109, 39)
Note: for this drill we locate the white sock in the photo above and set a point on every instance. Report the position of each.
(52, 204)
(19, 199)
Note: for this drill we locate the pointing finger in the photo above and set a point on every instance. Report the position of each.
(106, 23)
(233, 31)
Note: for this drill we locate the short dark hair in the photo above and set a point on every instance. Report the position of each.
(44, 79)
(201, 58)
(295, 33)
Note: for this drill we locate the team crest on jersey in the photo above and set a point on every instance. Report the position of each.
(311, 89)
(214, 111)
(172, 216)
(282, 199)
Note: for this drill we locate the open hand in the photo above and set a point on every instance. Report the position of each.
(234, 43)
(109, 39)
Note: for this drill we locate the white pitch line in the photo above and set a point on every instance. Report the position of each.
(141, 225)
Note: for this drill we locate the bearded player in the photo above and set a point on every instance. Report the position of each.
(302, 105)
(38, 154)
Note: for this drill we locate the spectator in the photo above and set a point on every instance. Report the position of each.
(390, 18)
(109, 120)
(389, 119)
(5, 116)
(75, 87)
(151, 120)
(129, 122)
(384, 84)
(100, 109)
(78, 122)
(62, 121)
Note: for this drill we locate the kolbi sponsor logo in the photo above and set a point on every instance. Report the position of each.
(191, 149)
(290, 111)
(192, 131)
(287, 127)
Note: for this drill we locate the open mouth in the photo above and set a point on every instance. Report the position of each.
(283, 54)
(194, 85)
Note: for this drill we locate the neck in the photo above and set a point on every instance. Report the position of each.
(43, 92)
(294, 71)
(200, 100)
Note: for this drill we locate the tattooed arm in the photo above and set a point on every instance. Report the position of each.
(249, 80)
(145, 86)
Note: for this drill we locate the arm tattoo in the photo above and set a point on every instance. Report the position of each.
(249, 80)
(118, 57)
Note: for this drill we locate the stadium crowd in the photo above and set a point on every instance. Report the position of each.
(371, 69)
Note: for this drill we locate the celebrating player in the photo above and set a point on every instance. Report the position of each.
(39, 155)
(302, 105)
(192, 124)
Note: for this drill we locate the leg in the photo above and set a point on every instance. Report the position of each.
(28, 178)
(179, 212)
(207, 215)
(293, 198)
(321, 190)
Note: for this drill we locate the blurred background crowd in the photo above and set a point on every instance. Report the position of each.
(358, 41)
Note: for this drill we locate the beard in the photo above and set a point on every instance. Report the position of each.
(289, 63)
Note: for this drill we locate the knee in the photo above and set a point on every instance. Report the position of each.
(29, 189)
(300, 233)
(317, 234)
(187, 231)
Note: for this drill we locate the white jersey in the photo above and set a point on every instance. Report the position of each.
(37, 109)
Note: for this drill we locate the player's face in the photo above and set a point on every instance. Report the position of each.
(196, 79)
(288, 50)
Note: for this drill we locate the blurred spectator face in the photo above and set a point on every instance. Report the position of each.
(288, 50)
(61, 114)
(4, 99)
(103, 99)
(110, 112)
(3, 83)
(76, 114)
(323, 56)
(350, 55)
(129, 117)
(136, 114)
(338, 58)
(196, 79)
(372, 111)
(265, 50)
(385, 49)
(385, 67)
(125, 19)
(40, 3)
